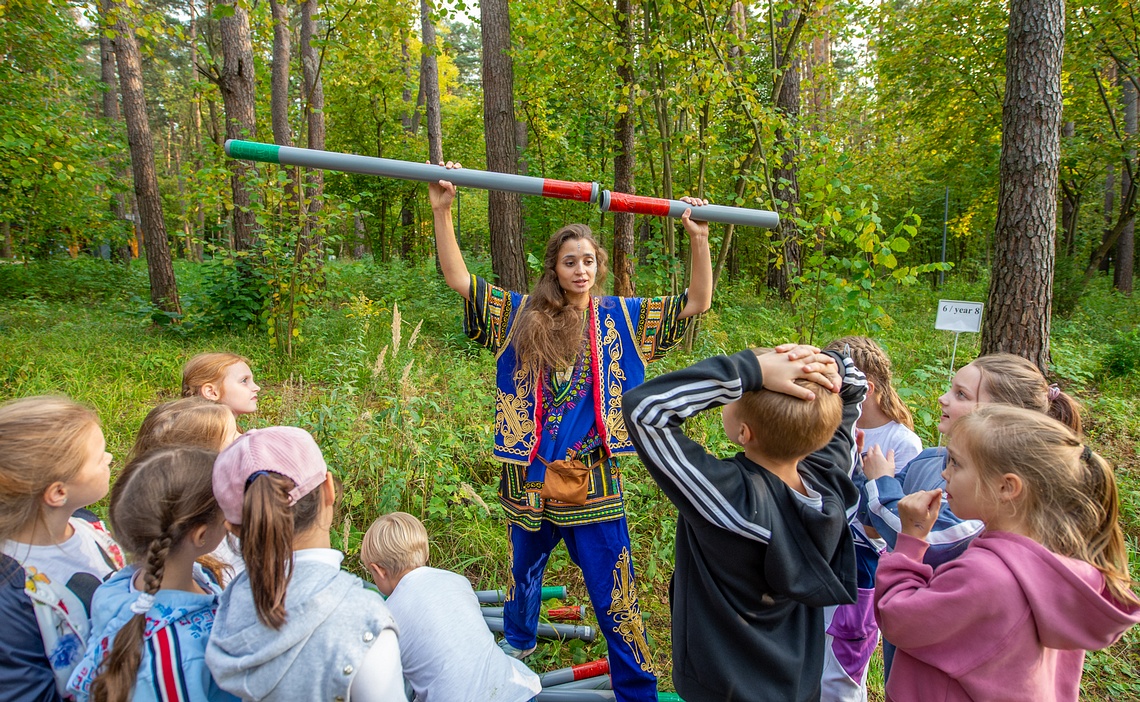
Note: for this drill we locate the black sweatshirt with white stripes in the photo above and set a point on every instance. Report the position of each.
(755, 564)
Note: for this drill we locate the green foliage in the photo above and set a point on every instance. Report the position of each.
(82, 280)
(1123, 354)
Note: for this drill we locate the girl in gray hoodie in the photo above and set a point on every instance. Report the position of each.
(294, 626)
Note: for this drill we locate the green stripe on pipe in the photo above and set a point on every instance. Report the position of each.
(252, 151)
(669, 697)
(557, 592)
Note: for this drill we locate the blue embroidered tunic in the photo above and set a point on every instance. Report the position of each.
(577, 416)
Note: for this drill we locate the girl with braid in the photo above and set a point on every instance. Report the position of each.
(564, 356)
(151, 620)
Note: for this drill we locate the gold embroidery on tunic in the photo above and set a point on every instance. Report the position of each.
(510, 561)
(513, 414)
(626, 612)
(614, 379)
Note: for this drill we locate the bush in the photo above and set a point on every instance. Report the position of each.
(1123, 355)
(81, 279)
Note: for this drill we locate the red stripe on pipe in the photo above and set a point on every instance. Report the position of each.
(572, 613)
(637, 204)
(592, 669)
(567, 190)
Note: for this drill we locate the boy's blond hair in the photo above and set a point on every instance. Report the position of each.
(396, 542)
(787, 427)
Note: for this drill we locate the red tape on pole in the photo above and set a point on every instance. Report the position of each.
(567, 190)
(592, 669)
(637, 204)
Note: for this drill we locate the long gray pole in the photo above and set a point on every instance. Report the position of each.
(608, 200)
(549, 631)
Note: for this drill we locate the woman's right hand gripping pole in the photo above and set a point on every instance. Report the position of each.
(442, 194)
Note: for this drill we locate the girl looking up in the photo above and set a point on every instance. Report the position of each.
(152, 619)
(1011, 618)
(53, 463)
(221, 377)
(294, 626)
(564, 356)
(999, 378)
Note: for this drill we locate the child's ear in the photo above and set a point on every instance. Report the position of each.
(197, 535)
(55, 495)
(210, 392)
(377, 572)
(870, 387)
(1010, 487)
(235, 530)
(328, 489)
(746, 434)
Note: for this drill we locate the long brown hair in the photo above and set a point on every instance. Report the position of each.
(207, 368)
(189, 421)
(43, 440)
(1070, 498)
(268, 526)
(1013, 380)
(169, 494)
(549, 330)
(870, 358)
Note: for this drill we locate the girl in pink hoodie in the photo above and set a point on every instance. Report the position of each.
(1012, 617)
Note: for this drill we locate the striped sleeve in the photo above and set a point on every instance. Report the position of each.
(166, 666)
(699, 484)
(487, 313)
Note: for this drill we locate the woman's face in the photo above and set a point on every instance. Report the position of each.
(576, 266)
(963, 396)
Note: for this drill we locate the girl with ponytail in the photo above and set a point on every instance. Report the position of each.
(152, 619)
(1012, 617)
(294, 626)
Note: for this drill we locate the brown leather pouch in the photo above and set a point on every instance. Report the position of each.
(566, 480)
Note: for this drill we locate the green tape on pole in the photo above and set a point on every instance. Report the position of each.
(253, 151)
(669, 697)
(557, 592)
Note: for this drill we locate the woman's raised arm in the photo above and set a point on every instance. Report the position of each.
(441, 194)
(701, 279)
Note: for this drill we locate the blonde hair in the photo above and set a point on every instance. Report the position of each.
(188, 421)
(870, 358)
(788, 427)
(43, 440)
(207, 368)
(1070, 500)
(396, 542)
(1013, 380)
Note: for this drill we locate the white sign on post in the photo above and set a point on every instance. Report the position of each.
(959, 316)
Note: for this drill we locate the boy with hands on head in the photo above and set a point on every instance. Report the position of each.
(762, 537)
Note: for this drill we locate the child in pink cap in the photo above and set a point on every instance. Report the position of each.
(294, 625)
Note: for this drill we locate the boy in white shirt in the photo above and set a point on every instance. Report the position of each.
(446, 649)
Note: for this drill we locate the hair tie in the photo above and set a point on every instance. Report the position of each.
(143, 604)
(1086, 454)
(253, 476)
(1054, 392)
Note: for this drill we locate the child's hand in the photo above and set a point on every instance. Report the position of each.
(876, 465)
(780, 371)
(918, 511)
(809, 353)
(442, 193)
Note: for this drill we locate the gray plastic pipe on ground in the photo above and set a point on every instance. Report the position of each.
(549, 631)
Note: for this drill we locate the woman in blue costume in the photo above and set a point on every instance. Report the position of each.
(564, 357)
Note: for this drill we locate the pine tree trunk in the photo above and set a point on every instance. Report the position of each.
(1018, 314)
(786, 264)
(429, 69)
(1125, 245)
(122, 253)
(504, 210)
(315, 116)
(163, 287)
(621, 261)
(238, 93)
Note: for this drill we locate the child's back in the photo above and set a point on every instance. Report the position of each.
(448, 653)
(756, 560)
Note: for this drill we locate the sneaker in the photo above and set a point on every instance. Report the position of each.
(514, 652)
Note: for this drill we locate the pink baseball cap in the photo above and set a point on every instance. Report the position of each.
(288, 451)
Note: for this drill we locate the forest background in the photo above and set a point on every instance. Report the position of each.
(875, 129)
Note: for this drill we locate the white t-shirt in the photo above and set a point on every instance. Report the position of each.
(893, 435)
(449, 654)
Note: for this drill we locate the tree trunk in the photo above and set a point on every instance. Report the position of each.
(1070, 198)
(315, 116)
(1109, 200)
(279, 81)
(6, 248)
(504, 210)
(163, 287)
(199, 228)
(238, 86)
(1018, 317)
(786, 263)
(122, 253)
(1125, 245)
(621, 261)
(429, 72)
